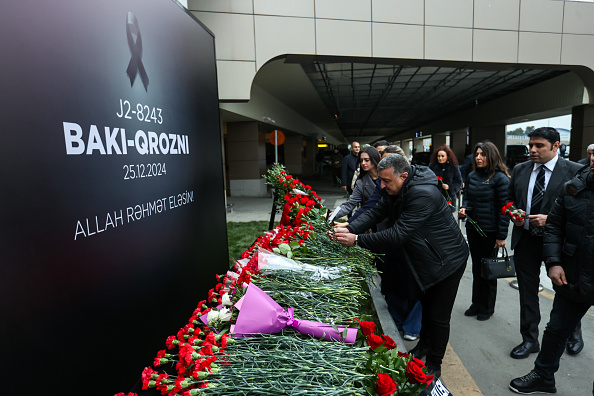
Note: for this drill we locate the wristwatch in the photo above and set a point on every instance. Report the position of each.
(356, 243)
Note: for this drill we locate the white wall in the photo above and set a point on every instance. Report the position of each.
(251, 32)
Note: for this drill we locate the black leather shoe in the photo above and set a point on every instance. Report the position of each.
(524, 350)
(532, 383)
(472, 311)
(575, 343)
(419, 351)
(483, 317)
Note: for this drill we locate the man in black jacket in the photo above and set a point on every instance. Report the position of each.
(533, 188)
(434, 248)
(569, 258)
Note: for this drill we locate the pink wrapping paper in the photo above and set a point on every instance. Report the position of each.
(259, 313)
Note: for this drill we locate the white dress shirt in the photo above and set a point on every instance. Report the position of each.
(549, 167)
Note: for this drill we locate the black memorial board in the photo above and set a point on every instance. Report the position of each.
(112, 218)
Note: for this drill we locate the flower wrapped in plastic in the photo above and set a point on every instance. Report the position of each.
(259, 313)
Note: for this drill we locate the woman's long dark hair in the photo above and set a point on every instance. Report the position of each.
(494, 161)
(373, 156)
(451, 156)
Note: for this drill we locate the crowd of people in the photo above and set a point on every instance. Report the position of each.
(405, 211)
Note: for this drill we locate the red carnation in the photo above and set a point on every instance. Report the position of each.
(162, 381)
(207, 350)
(185, 354)
(171, 342)
(160, 358)
(210, 338)
(224, 340)
(385, 385)
(147, 376)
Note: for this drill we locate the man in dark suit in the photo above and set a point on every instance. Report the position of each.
(533, 188)
(568, 252)
(349, 166)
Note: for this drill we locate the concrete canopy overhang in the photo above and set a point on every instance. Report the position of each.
(367, 99)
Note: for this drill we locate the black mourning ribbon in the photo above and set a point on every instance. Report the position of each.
(135, 66)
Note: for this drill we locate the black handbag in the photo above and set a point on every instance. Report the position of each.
(498, 267)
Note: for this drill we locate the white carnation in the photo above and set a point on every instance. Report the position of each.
(226, 300)
(225, 315)
(212, 316)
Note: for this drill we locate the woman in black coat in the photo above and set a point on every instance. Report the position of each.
(444, 164)
(486, 194)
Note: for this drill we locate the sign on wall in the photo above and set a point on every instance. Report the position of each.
(112, 218)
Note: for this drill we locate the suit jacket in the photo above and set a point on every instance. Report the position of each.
(584, 161)
(518, 188)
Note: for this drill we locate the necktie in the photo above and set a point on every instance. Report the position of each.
(537, 195)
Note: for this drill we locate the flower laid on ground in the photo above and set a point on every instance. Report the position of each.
(326, 285)
(284, 183)
(394, 372)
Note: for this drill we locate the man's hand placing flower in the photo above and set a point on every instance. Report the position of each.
(344, 236)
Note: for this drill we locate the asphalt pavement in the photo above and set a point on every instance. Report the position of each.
(477, 361)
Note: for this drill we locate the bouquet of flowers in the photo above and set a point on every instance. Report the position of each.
(512, 211)
(284, 183)
(393, 372)
(202, 357)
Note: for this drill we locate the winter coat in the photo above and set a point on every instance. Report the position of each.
(484, 199)
(422, 225)
(349, 165)
(451, 176)
(569, 238)
(363, 190)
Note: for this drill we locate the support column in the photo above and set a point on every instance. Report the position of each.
(418, 145)
(294, 154)
(311, 149)
(494, 133)
(405, 146)
(582, 131)
(438, 140)
(246, 158)
(458, 139)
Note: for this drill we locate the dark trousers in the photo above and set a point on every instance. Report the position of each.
(484, 291)
(528, 259)
(437, 303)
(565, 316)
